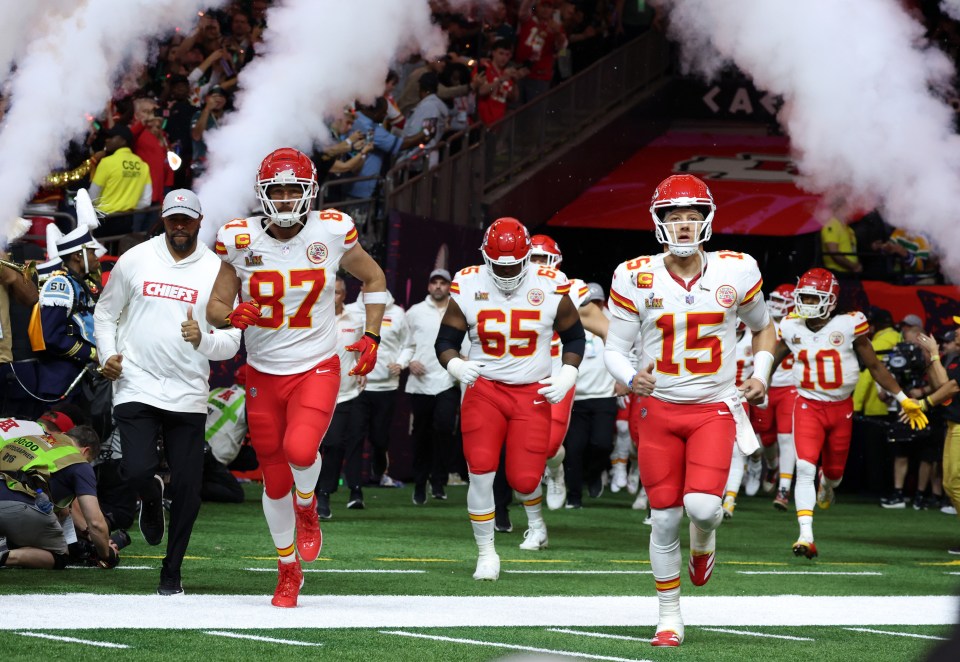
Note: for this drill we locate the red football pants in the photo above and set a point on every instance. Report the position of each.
(683, 448)
(823, 429)
(288, 416)
(777, 418)
(493, 414)
(560, 422)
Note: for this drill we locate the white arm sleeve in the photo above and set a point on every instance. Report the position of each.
(755, 314)
(106, 315)
(220, 345)
(616, 351)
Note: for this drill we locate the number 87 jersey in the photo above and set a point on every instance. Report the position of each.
(825, 362)
(689, 330)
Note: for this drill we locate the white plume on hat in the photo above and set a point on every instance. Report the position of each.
(18, 228)
(53, 236)
(87, 215)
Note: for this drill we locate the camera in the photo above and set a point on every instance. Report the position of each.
(906, 363)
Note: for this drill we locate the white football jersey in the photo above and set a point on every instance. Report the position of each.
(825, 362)
(688, 331)
(744, 354)
(349, 331)
(510, 333)
(293, 281)
(14, 428)
(783, 375)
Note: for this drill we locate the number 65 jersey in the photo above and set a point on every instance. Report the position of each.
(510, 333)
(825, 363)
(293, 281)
(689, 332)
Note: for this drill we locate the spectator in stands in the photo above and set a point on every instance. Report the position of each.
(122, 181)
(497, 27)
(838, 243)
(463, 109)
(410, 96)
(215, 105)
(240, 42)
(343, 156)
(541, 37)
(179, 114)
(429, 118)
(150, 144)
(496, 83)
(385, 145)
(342, 443)
(32, 538)
(633, 17)
(377, 401)
(917, 264)
(910, 326)
(434, 395)
(395, 120)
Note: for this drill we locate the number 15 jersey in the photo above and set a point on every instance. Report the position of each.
(690, 335)
(293, 281)
(510, 333)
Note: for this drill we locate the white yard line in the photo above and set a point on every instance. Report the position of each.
(119, 567)
(759, 634)
(898, 634)
(359, 571)
(72, 640)
(515, 647)
(808, 572)
(269, 640)
(193, 611)
(579, 572)
(598, 635)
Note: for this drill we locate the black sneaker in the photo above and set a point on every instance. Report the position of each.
(595, 489)
(419, 495)
(356, 499)
(152, 524)
(4, 551)
(573, 504)
(169, 586)
(895, 500)
(919, 501)
(953, 550)
(439, 493)
(323, 505)
(501, 521)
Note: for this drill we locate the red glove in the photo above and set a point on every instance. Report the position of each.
(244, 315)
(367, 346)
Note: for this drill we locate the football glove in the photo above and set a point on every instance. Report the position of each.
(244, 315)
(913, 412)
(559, 384)
(367, 347)
(464, 371)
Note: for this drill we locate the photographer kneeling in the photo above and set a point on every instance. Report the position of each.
(40, 478)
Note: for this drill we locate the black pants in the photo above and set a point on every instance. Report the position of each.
(341, 448)
(589, 442)
(140, 426)
(219, 485)
(376, 414)
(117, 503)
(434, 419)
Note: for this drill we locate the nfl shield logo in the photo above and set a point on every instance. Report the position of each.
(689, 299)
(253, 392)
(643, 412)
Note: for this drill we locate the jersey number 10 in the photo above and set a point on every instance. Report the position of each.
(820, 359)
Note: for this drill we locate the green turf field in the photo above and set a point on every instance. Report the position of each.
(394, 581)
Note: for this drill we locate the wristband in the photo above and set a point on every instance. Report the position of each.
(374, 297)
(349, 143)
(927, 405)
(762, 365)
(901, 396)
(934, 358)
(373, 336)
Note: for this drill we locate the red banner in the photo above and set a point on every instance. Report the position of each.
(752, 179)
(935, 304)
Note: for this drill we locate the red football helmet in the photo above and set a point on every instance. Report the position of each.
(821, 284)
(682, 191)
(541, 244)
(781, 301)
(284, 167)
(506, 243)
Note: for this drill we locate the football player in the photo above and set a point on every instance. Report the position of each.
(744, 354)
(511, 309)
(282, 265)
(826, 347)
(684, 303)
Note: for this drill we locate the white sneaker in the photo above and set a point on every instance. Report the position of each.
(648, 520)
(534, 538)
(618, 481)
(387, 481)
(488, 568)
(641, 502)
(948, 510)
(556, 488)
(633, 478)
(729, 504)
(752, 482)
(454, 480)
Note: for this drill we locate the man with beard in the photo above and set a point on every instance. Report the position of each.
(154, 345)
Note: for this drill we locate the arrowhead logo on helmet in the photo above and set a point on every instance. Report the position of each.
(815, 296)
(506, 252)
(682, 192)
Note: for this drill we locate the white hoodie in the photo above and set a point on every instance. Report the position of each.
(392, 337)
(138, 316)
(423, 324)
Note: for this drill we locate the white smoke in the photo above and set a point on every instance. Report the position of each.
(862, 99)
(951, 8)
(316, 58)
(67, 72)
(24, 21)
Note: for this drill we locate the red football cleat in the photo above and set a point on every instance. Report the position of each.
(309, 537)
(804, 548)
(666, 638)
(289, 583)
(701, 567)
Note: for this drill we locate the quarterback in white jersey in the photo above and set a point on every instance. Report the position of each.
(826, 347)
(684, 305)
(511, 309)
(282, 265)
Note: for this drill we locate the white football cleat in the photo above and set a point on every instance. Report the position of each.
(752, 480)
(488, 567)
(618, 480)
(641, 502)
(535, 538)
(633, 478)
(556, 488)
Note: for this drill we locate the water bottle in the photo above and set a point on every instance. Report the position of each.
(43, 503)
